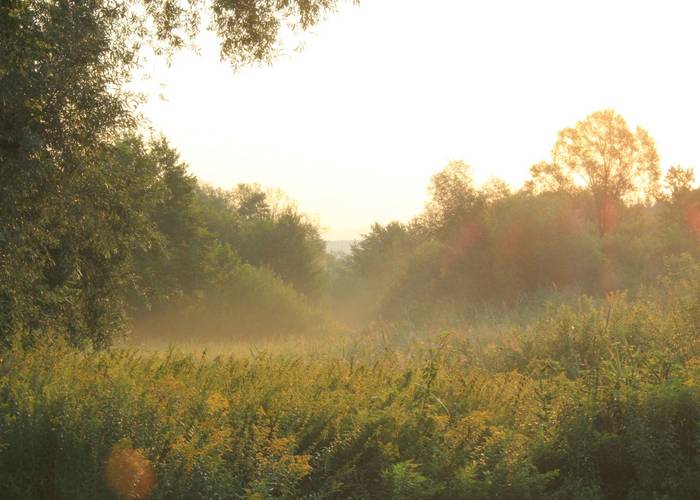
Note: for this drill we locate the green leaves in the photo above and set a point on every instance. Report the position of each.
(79, 190)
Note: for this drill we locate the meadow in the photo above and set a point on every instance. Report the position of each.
(167, 335)
(600, 399)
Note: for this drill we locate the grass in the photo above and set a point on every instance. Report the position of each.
(595, 400)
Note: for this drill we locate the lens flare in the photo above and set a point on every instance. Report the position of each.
(128, 473)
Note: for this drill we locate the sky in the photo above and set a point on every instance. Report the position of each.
(385, 94)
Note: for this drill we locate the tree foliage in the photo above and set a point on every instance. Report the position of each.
(601, 154)
(80, 205)
(593, 220)
(594, 400)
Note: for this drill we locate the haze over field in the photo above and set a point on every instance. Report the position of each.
(383, 95)
(302, 281)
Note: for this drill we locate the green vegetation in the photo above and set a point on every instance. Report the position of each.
(534, 343)
(596, 220)
(599, 400)
(96, 219)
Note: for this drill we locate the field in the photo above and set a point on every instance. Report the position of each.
(174, 325)
(598, 400)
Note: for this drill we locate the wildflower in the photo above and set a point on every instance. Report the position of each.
(217, 403)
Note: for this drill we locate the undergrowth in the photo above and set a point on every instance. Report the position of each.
(597, 400)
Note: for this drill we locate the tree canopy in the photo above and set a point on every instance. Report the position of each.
(75, 179)
(592, 220)
(601, 154)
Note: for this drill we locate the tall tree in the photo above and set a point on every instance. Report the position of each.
(454, 197)
(67, 216)
(603, 155)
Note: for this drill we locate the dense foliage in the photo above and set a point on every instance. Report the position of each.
(597, 400)
(592, 221)
(569, 369)
(90, 216)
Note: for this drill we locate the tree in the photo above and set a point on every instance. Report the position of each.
(69, 208)
(601, 154)
(378, 262)
(548, 177)
(266, 230)
(680, 211)
(679, 181)
(250, 202)
(381, 250)
(454, 197)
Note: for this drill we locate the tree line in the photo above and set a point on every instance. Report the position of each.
(595, 218)
(95, 218)
(102, 229)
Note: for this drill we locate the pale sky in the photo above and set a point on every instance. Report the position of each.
(385, 94)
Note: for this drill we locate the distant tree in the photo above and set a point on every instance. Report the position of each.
(495, 189)
(679, 210)
(454, 197)
(289, 244)
(601, 154)
(679, 181)
(266, 232)
(378, 262)
(250, 201)
(381, 250)
(548, 177)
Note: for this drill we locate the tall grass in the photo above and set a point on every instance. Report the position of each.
(596, 400)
